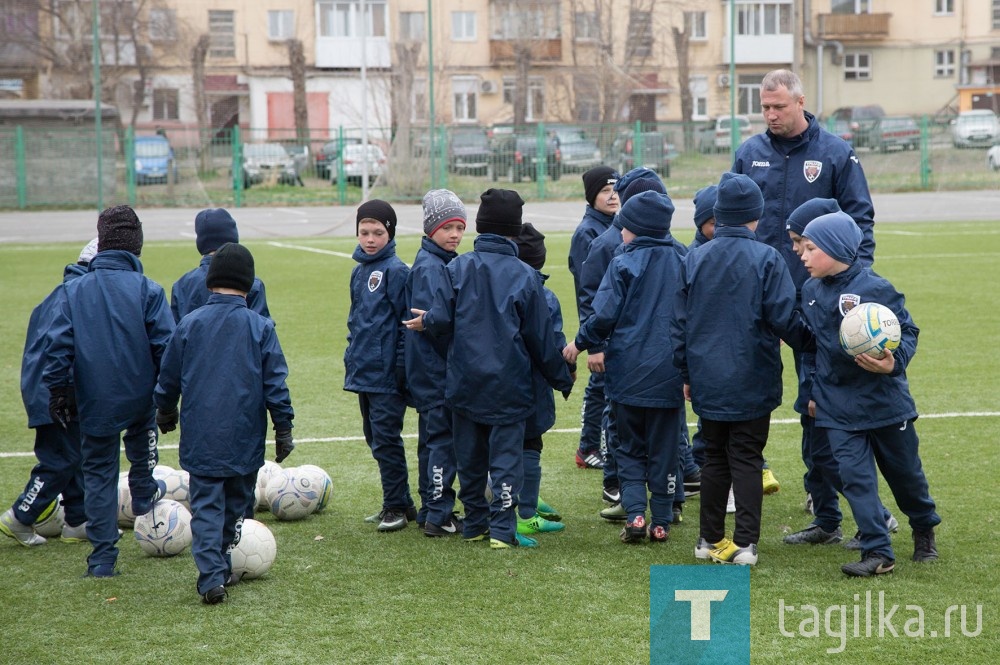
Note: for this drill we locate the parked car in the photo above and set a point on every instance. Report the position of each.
(328, 153)
(578, 151)
(860, 121)
(895, 131)
(267, 161)
(300, 156)
(993, 158)
(651, 151)
(516, 156)
(716, 137)
(154, 160)
(354, 164)
(468, 151)
(840, 128)
(975, 128)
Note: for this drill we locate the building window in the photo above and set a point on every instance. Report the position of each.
(764, 18)
(70, 18)
(162, 25)
(419, 105)
(996, 14)
(515, 19)
(586, 26)
(536, 97)
(413, 26)
(588, 102)
(696, 24)
(465, 91)
(944, 6)
(222, 33)
(640, 34)
(944, 64)
(463, 26)
(165, 106)
(280, 24)
(850, 7)
(699, 97)
(748, 94)
(343, 19)
(857, 66)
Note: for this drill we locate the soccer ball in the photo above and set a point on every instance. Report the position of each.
(126, 518)
(177, 486)
(869, 328)
(264, 475)
(322, 480)
(165, 530)
(253, 550)
(293, 496)
(50, 522)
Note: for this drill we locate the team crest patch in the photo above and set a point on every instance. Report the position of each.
(848, 301)
(374, 281)
(811, 169)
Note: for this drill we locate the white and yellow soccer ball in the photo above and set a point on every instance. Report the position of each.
(165, 530)
(50, 522)
(293, 496)
(322, 480)
(253, 550)
(869, 328)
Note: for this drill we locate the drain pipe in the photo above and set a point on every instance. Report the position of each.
(807, 38)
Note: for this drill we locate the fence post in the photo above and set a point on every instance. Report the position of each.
(638, 149)
(341, 180)
(541, 160)
(21, 175)
(238, 176)
(130, 165)
(925, 155)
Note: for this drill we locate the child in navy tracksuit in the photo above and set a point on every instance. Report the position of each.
(632, 312)
(735, 304)
(224, 422)
(495, 311)
(863, 404)
(57, 447)
(535, 516)
(104, 352)
(375, 360)
(213, 227)
(602, 203)
(444, 226)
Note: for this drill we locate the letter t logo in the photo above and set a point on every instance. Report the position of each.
(701, 609)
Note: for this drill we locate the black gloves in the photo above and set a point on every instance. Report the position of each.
(166, 420)
(62, 404)
(283, 445)
(566, 394)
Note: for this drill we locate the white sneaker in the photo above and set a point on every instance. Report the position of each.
(74, 534)
(731, 503)
(9, 526)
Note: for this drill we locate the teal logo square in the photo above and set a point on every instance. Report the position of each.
(699, 614)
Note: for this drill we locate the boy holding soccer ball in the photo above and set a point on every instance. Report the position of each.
(862, 404)
(224, 423)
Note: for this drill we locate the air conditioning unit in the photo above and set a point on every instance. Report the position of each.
(488, 87)
(722, 80)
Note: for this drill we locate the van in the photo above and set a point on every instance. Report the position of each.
(861, 121)
(976, 128)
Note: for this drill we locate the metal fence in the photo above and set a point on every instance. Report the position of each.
(54, 168)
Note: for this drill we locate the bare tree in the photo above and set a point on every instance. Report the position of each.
(681, 43)
(198, 55)
(297, 65)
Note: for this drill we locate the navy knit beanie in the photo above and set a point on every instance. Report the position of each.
(837, 234)
(704, 204)
(213, 228)
(809, 211)
(531, 246)
(119, 228)
(597, 179)
(637, 181)
(738, 200)
(381, 212)
(647, 214)
(231, 268)
(499, 212)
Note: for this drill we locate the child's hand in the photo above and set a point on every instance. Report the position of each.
(595, 362)
(416, 323)
(687, 392)
(570, 352)
(812, 408)
(883, 365)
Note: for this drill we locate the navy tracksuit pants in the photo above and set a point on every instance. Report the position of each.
(217, 505)
(495, 451)
(56, 472)
(382, 420)
(438, 466)
(592, 414)
(647, 460)
(894, 449)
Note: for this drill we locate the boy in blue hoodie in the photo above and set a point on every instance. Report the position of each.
(57, 448)
(500, 329)
(378, 306)
(225, 413)
(632, 310)
(863, 404)
(105, 346)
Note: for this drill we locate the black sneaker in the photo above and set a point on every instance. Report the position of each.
(814, 535)
(924, 547)
(892, 524)
(612, 494)
(411, 514)
(678, 516)
(392, 520)
(143, 506)
(451, 527)
(232, 580)
(692, 484)
(634, 531)
(214, 596)
(869, 566)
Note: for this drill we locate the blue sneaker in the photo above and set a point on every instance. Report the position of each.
(143, 506)
(102, 570)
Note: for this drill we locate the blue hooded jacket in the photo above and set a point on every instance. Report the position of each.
(816, 164)
(110, 333)
(425, 354)
(593, 224)
(375, 323)
(495, 310)
(189, 292)
(544, 417)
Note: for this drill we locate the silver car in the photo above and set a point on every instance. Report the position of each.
(353, 166)
(976, 128)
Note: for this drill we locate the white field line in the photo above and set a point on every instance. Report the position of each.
(570, 430)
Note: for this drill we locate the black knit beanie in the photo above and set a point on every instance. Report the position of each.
(531, 246)
(381, 212)
(500, 212)
(597, 179)
(213, 228)
(119, 228)
(231, 268)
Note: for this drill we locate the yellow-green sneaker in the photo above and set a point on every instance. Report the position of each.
(538, 524)
(733, 553)
(548, 512)
(615, 513)
(771, 484)
(519, 541)
(703, 550)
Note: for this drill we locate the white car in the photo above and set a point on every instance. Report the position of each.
(978, 127)
(993, 158)
(354, 159)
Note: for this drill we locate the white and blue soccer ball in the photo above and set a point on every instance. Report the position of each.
(50, 522)
(165, 530)
(253, 550)
(292, 495)
(177, 482)
(126, 518)
(869, 328)
(322, 480)
(264, 475)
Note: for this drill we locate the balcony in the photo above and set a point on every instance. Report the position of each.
(542, 50)
(854, 27)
